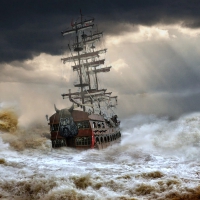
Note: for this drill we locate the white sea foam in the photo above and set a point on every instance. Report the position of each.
(155, 159)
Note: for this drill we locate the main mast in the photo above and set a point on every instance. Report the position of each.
(78, 49)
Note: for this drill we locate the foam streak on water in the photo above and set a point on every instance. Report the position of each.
(156, 159)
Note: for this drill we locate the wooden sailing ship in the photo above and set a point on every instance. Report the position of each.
(91, 121)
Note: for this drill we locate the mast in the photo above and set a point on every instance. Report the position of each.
(76, 28)
(80, 76)
(88, 63)
(79, 61)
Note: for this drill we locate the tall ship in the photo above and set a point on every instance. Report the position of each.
(91, 121)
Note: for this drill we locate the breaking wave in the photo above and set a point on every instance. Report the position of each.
(157, 158)
(180, 137)
(8, 121)
(19, 138)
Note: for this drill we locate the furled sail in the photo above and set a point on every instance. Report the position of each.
(84, 56)
(104, 69)
(89, 64)
(76, 30)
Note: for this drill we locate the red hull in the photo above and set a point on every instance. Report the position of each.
(93, 132)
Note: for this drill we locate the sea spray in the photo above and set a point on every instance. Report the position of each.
(8, 121)
(20, 138)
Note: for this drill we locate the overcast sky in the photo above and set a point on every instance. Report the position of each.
(153, 47)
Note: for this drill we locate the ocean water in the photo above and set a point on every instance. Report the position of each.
(155, 159)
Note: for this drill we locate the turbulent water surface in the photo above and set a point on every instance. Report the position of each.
(156, 159)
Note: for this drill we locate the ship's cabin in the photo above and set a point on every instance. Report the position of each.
(83, 125)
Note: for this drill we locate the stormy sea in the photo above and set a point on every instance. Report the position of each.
(157, 158)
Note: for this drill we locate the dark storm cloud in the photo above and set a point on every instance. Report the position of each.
(29, 27)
